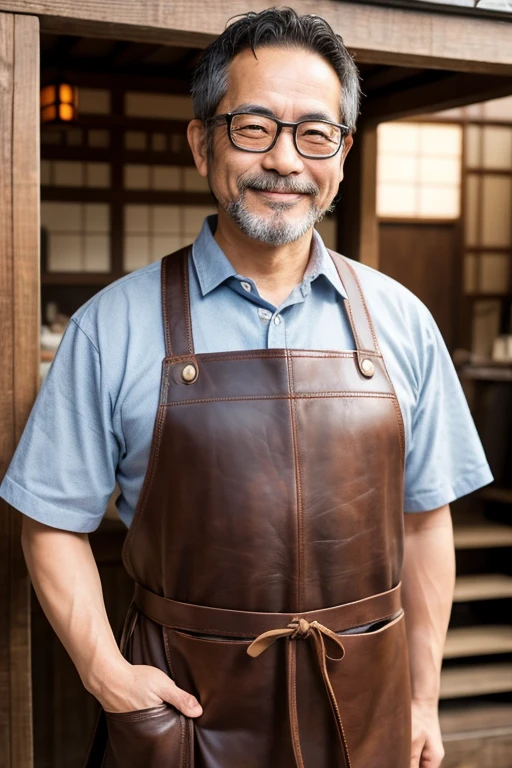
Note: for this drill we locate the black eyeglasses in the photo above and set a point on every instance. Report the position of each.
(253, 132)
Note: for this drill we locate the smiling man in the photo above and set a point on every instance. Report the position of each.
(287, 431)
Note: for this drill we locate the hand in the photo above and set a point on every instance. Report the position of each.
(138, 686)
(427, 745)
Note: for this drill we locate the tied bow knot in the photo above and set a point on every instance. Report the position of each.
(299, 627)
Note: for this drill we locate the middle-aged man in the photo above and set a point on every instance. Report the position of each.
(304, 403)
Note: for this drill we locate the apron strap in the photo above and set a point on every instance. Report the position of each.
(176, 304)
(178, 324)
(358, 314)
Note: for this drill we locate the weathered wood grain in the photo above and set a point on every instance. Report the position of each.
(6, 367)
(19, 336)
(382, 35)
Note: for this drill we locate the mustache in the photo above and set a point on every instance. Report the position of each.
(270, 183)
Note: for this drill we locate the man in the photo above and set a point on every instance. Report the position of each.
(304, 404)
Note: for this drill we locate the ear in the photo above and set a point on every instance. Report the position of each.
(347, 144)
(196, 137)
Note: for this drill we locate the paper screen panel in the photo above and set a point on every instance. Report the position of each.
(93, 101)
(158, 105)
(497, 147)
(136, 252)
(97, 175)
(439, 202)
(440, 140)
(496, 210)
(486, 324)
(402, 136)
(472, 213)
(166, 177)
(64, 253)
(98, 138)
(135, 140)
(137, 176)
(472, 146)
(396, 199)
(61, 217)
(166, 219)
(494, 271)
(136, 219)
(68, 173)
(97, 253)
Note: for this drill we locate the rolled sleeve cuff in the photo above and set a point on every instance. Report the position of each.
(67, 519)
(427, 500)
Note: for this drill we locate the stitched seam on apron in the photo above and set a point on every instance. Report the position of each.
(372, 329)
(148, 480)
(167, 651)
(219, 357)
(164, 305)
(298, 486)
(299, 396)
(186, 301)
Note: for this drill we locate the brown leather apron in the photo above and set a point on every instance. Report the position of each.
(269, 529)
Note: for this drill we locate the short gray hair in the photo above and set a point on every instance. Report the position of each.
(274, 27)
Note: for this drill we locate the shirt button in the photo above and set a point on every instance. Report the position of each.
(246, 286)
(277, 319)
(265, 314)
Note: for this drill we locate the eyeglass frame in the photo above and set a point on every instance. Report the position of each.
(228, 118)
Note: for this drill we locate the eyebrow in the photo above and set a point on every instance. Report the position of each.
(261, 110)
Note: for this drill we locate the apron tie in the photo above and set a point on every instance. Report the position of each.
(300, 628)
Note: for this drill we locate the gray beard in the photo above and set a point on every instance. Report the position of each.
(274, 230)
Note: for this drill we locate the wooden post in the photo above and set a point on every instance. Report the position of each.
(358, 233)
(19, 352)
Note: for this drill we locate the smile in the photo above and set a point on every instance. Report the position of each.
(283, 197)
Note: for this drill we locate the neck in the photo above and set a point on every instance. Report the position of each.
(276, 269)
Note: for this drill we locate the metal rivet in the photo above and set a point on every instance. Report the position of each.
(189, 374)
(367, 367)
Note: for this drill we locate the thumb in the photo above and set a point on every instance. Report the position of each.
(182, 700)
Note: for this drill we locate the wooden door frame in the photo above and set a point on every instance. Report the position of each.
(376, 34)
(19, 368)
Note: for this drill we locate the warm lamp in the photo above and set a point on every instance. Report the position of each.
(59, 103)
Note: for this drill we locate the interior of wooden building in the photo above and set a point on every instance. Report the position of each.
(427, 199)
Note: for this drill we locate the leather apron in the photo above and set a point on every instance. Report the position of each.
(267, 549)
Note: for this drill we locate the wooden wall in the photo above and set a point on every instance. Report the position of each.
(19, 365)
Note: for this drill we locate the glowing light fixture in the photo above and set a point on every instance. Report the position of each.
(59, 103)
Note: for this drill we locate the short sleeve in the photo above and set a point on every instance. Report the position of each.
(63, 470)
(445, 458)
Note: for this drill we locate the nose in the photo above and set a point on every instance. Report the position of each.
(283, 158)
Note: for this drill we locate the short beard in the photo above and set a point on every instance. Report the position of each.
(274, 230)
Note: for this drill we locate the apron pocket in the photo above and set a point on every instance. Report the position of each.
(372, 688)
(157, 737)
(244, 720)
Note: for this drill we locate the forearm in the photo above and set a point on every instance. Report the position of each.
(67, 583)
(428, 582)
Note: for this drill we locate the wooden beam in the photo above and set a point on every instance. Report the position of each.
(453, 90)
(19, 372)
(394, 36)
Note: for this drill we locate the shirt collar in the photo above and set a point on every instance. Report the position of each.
(213, 267)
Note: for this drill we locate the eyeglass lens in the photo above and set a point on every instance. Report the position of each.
(257, 132)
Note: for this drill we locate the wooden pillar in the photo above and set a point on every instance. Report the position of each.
(19, 353)
(358, 233)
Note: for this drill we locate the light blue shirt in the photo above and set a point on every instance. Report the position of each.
(93, 419)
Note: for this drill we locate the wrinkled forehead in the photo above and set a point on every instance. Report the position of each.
(289, 82)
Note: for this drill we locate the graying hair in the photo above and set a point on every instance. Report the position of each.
(274, 27)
